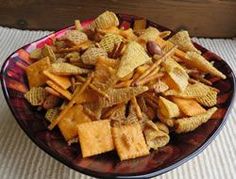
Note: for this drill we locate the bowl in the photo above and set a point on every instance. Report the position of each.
(182, 147)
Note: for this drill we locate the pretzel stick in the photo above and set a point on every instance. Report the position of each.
(112, 110)
(158, 62)
(137, 108)
(150, 75)
(80, 78)
(201, 79)
(137, 74)
(52, 91)
(191, 80)
(151, 103)
(149, 78)
(99, 91)
(82, 46)
(123, 84)
(153, 98)
(207, 82)
(91, 114)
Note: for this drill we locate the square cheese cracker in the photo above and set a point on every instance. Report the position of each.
(73, 117)
(35, 72)
(129, 141)
(95, 137)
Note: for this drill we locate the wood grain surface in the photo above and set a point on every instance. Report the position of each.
(203, 18)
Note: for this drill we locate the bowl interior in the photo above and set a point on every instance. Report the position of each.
(180, 149)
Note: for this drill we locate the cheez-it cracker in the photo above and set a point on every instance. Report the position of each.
(35, 72)
(129, 141)
(95, 137)
(68, 124)
(62, 81)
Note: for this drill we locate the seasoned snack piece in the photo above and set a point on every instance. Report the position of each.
(167, 108)
(72, 57)
(133, 57)
(167, 121)
(36, 96)
(109, 41)
(177, 74)
(161, 126)
(121, 95)
(90, 56)
(51, 101)
(189, 107)
(75, 37)
(78, 25)
(67, 69)
(164, 34)
(128, 34)
(160, 86)
(36, 54)
(95, 137)
(129, 141)
(136, 108)
(105, 73)
(94, 110)
(116, 112)
(140, 25)
(110, 30)
(153, 48)
(209, 100)
(35, 72)
(63, 82)
(87, 96)
(105, 20)
(184, 125)
(52, 114)
(73, 117)
(60, 90)
(198, 61)
(192, 91)
(52, 91)
(48, 52)
(155, 137)
(151, 33)
(183, 41)
(83, 46)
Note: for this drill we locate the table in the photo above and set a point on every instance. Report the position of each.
(22, 159)
(202, 18)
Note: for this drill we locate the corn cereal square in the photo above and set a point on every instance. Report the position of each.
(129, 141)
(95, 137)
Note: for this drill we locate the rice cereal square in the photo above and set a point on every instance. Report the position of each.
(129, 141)
(95, 137)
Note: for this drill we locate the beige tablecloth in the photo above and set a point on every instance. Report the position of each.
(21, 158)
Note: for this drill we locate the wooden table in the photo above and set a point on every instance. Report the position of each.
(203, 18)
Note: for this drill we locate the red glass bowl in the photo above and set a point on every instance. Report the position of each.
(180, 149)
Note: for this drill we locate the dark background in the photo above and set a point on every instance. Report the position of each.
(203, 18)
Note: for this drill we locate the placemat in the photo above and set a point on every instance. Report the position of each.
(22, 159)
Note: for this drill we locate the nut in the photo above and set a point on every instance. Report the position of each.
(153, 48)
